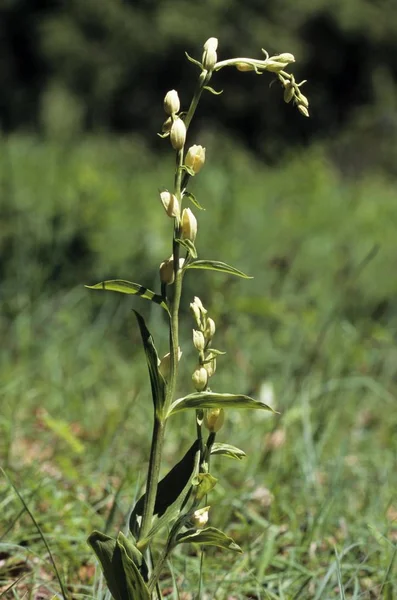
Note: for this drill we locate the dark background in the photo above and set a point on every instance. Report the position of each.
(114, 59)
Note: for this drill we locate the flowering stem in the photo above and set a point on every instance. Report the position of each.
(159, 423)
(153, 476)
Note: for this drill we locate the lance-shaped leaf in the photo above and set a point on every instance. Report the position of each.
(174, 509)
(117, 561)
(136, 587)
(227, 450)
(216, 265)
(189, 246)
(193, 199)
(128, 287)
(214, 400)
(210, 536)
(156, 380)
(171, 491)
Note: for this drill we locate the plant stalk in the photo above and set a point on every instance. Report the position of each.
(160, 423)
(153, 476)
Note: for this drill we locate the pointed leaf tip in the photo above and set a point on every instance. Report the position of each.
(129, 287)
(209, 537)
(215, 400)
(217, 265)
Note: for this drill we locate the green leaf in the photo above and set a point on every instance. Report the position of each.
(136, 587)
(189, 246)
(133, 553)
(122, 576)
(211, 89)
(214, 400)
(188, 170)
(212, 353)
(216, 265)
(156, 380)
(193, 199)
(210, 536)
(227, 450)
(128, 287)
(172, 491)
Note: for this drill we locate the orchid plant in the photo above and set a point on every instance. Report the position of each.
(178, 503)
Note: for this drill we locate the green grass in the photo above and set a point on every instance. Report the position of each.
(314, 503)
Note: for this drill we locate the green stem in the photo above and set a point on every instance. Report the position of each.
(205, 77)
(153, 476)
(159, 425)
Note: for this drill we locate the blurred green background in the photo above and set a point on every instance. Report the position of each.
(306, 206)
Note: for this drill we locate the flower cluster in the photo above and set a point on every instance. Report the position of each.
(190, 163)
(202, 339)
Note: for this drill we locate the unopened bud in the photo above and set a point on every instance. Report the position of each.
(214, 419)
(210, 57)
(200, 517)
(188, 225)
(198, 340)
(274, 66)
(197, 302)
(165, 364)
(170, 203)
(303, 110)
(195, 158)
(245, 67)
(285, 58)
(171, 102)
(211, 44)
(289, 92)
(210, 329)
(167, 274)
(198, 311)
(303, 100)
(200, 379)
(178, 134)
(210, 367)
(167, 270)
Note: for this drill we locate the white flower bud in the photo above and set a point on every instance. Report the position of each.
(274, 66)
(167, 274)
(214, 419)
(210, 367)
(195, 158)
(200, 517)
(285, 57)
(165, 364)
(211, 44)
(178, 134)
(170, 203)
(303, 100)
(199, 304)
(188, 225)
(210, 329)
(210, 58)
(289, 92)
(198, 311)
(171, 102)
(200, 379)
(198, 340)
(303, 110)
